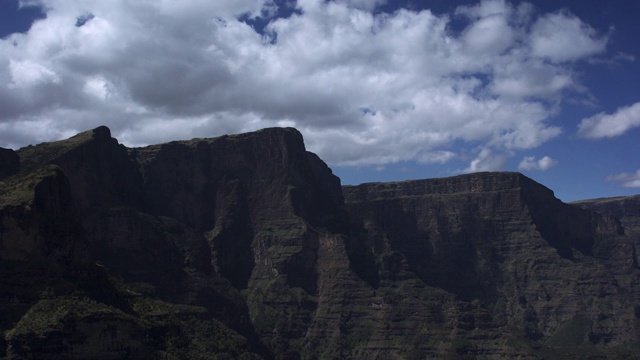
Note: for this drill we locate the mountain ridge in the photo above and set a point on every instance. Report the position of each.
(263, 254)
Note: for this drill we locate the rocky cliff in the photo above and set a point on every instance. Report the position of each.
(246, 246)
(625, 208)
(9, 163)
(554, 273)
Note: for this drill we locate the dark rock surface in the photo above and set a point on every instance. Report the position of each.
(246, 246)
(9, 163)
(625, 208)
(551, 272)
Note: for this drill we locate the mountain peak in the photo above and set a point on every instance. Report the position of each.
(102, 132)
(47, 152)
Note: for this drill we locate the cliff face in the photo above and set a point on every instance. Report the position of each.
(9, 163)
(627, 209)
(247, 246)
(43, 251)
(256, 200)
(99, 169)
(539, 266)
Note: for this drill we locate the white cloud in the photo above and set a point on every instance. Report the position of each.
(532, 78)
(628, 180)
(486, 8)
(363, 87)
(623, 57)
(610, 125)
(561, 37)
(617, 60)
(27, 73)
(487, 160)
(531, 163)
(490, 32)
(362, 4)
(97, 87)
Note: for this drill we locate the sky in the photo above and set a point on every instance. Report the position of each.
(382, 90)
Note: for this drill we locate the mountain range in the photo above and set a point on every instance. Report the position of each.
(247, 247)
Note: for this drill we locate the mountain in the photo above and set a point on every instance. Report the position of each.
(246, 246)
(551, 272)
(9, 163)
(625, 208)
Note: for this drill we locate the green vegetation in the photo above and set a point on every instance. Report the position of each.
(153, 308)
(50, 315)
(180, 331)
(165, 330)
(277, 308)
(571, 333)
(282, 231)
(19, 189)
(33, 156)
(198, 339)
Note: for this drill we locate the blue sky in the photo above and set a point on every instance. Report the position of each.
(381, 90)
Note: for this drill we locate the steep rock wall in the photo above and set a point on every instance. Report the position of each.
(259, 203)
(9, 163)
(242, 246)
(539, 266)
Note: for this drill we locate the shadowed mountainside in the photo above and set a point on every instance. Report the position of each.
(552, 272)
(9, 163)
(625, 208)
(246, 246)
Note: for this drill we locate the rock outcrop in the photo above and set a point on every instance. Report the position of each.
(555, 273)
(43, 253)
(9, 163)
(247, 246)
(625, 208)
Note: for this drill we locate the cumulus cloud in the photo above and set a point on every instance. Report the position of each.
(628, 180)
(364, 86)
(487, 160)
(562, 36)
(362, 4)
(27, 73)
(604, 125)
(531, 163)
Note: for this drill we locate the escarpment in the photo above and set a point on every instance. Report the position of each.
(247, 246)
(9, 163)
(538, 265)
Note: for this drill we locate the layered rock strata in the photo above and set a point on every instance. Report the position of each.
(552, 272)
(246, 246)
